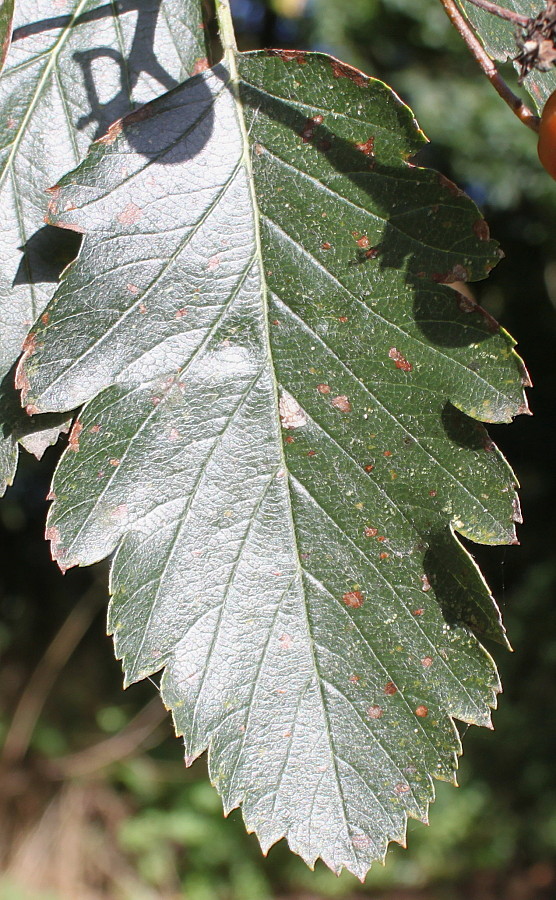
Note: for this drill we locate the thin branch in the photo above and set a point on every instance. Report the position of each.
(49, 667)
(515, 103)
(501, 11)
(136, 734)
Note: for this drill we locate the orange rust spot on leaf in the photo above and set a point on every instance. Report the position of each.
(200, 65)
(387, 453)
(399, 360)
(372, 253)
(343, 319)
(422, 712)
(426, 661)
(369, 468)
(130, 214)
(363, 242)
(390, 688)
(323, 388)
(375, 712)
(418, 612)
(355, 679)
(342, 70)
(326, 245)
(384, 555)
(342, 403)
(289, 439)
(371, 532)
(353, 599)
(73, 440)
(312, 453)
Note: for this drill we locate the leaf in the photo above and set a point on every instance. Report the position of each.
(498, 37)
(277, 441)
(6, 20)
(80, 70)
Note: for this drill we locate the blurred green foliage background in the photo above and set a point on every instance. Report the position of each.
(95, 800)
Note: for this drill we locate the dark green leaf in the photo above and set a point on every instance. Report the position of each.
(279, 439)
(69, 74)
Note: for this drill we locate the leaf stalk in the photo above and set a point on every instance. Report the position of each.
(516, 104)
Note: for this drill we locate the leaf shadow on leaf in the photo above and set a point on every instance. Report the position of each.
(46, 254)
(438, 314)
(16, 425)
(140, 59)
(390, 252)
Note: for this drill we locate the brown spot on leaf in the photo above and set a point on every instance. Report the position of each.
(312, 453)
(289, 439)
(450, 186)
(371, 532)
(132, 288)
(326, 245)
(73, 440)
(355, 679)
(353, 599)
(422, 712)
(94, 429)
(426, 585)
(21, 378)
(426, 662)
(342, 70)
(45, 318)
(399, 360)
(130, 214)
(51, 495)
(213, 263)
(288, 55)
(372, 253)
(362, 241)
(323, 388)
(343, 319)
(432, 493)
(369, 467)
(367, 147)
(114, 462)
(390, 688)
(142, 308)
(309, 128)
(375, 712)
(402, 788)
(285, 641)
(458, 273)
(112, 133)
(342, 403)
(180, 313)
(384, 555)
(200, 65)
(387, 453)
(481, 230)
(418, 612)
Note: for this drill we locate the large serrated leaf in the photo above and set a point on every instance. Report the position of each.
(277, 439)
(67, 77)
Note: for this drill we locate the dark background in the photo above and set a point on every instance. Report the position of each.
(97, 803)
